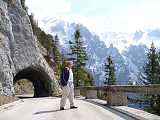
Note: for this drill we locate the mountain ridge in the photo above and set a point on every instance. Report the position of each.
(129, 60)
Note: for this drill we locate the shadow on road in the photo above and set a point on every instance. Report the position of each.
(49, 111)
(25, 96)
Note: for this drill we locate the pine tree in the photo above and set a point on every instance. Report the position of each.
(57, 57)
(78, 54)
(110, 72)
(151, 70)
(152, 66)
(33, 23)
(55, 50)
(48, 43)
(158, 68)
(23, 5)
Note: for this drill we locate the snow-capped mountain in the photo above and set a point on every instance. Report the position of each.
(128, 51)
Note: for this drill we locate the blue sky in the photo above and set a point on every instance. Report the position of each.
(101, 15)
(102, 7)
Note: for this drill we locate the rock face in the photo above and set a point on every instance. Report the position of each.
(20, 56)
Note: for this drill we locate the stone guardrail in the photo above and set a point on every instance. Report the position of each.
(117, 94)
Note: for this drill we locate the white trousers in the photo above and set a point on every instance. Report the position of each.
(67, 92)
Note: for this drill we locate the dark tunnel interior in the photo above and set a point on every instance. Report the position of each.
(39, 80)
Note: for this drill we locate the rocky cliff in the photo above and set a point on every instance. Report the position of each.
(20, 56)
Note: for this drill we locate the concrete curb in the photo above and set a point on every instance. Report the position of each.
(134, 113)
(138, 114)
(10, 105)
(130, 114)
(103, 103)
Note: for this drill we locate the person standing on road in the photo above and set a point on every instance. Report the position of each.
(67, 86)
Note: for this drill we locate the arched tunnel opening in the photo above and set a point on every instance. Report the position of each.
(24, 88)
(38, 78)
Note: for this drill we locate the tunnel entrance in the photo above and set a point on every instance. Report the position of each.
(38, 78)
(24, 88)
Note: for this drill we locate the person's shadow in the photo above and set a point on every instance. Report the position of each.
(49, 111)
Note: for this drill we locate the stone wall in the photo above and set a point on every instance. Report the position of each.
(117, 94)
(18, 47)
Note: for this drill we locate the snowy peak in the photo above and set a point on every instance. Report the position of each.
(128, 51)
(138, 35)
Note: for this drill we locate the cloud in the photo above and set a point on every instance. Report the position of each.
(48, 8)
(101, 16)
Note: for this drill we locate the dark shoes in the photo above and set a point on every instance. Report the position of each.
(62, 108)
(73, 107)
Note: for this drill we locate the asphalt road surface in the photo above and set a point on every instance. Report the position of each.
(48, 109)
